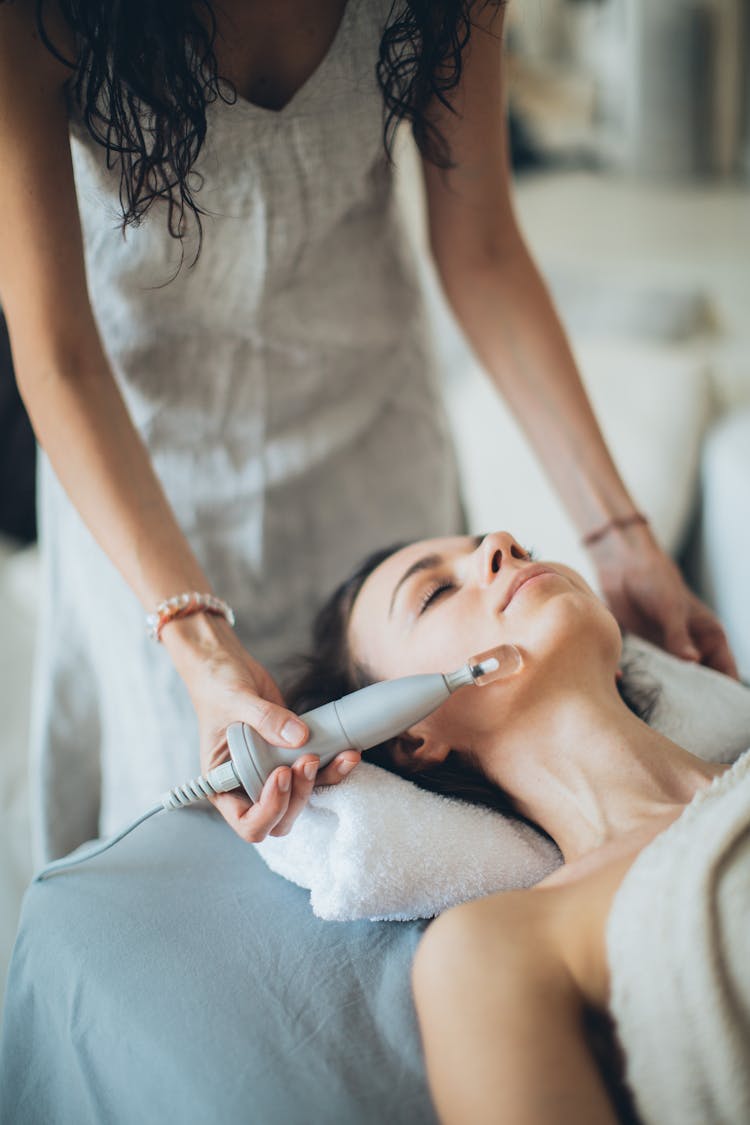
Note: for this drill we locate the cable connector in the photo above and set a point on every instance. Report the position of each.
(221, 779)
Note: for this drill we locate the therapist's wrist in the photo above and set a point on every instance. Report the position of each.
(612, 526)
(622, 543)
(198, 640)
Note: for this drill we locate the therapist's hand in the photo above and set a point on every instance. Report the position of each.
(227, 686)
(647, 594)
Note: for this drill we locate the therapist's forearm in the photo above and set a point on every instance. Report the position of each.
(81, 421)
(510, 321)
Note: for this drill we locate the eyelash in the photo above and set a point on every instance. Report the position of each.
(432, 592)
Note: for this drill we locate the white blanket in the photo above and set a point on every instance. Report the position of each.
(377, 846)
(678, 945)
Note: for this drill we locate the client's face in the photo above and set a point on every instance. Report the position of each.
(430, 606)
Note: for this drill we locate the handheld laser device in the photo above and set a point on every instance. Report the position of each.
(359, 721)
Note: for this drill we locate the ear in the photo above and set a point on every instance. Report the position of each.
(413, 754)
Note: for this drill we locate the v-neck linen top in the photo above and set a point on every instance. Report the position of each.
(285, 389)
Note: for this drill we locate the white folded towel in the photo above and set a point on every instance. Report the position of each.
(377, 846)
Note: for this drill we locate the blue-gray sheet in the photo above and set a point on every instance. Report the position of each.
(177, 978)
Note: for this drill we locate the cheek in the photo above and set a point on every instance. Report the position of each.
(551, 622)
(438, 640)
(411, 651)
(571, 622)
(577, 580)
(449, 634)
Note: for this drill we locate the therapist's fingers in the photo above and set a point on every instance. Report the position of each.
(719, 656)
(253, 821)
(304, 777)
(307, 774)
(711, 640)
(278, 725)
(339, 768)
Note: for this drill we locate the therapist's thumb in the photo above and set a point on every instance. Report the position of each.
(276, 724)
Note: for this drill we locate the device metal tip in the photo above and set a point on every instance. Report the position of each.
(497, 664)
(485, 668)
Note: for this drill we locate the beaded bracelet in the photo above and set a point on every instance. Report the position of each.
(182, 605)
(610, 525)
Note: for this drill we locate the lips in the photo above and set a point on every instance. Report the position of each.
(522, 577)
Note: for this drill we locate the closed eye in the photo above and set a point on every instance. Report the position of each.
(434, 591)
(432, 594)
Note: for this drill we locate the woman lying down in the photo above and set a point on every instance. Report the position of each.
(646, 927)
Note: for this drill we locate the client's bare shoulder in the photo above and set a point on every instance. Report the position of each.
(553, 935)
(573, 905)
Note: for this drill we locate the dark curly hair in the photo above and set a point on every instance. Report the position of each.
(151, 64)
(329, 671)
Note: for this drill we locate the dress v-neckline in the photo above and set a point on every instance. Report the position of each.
(249, 108)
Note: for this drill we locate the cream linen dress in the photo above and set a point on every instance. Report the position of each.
(286, 390)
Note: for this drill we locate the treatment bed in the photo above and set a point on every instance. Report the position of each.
(177, 978)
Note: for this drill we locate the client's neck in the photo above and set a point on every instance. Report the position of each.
(589, 771)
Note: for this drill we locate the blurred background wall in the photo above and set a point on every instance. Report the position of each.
(652, 88)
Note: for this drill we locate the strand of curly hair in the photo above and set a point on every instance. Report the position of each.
(145, 71)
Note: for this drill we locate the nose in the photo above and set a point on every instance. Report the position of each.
(494, 552)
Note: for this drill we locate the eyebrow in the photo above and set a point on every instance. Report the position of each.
(427, 562)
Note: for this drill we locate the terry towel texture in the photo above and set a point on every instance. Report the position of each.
(678, 944)
(376, 846)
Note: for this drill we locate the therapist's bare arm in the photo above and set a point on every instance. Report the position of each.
(498, 294)
(77, 411)
(504, 307)
(63, 374)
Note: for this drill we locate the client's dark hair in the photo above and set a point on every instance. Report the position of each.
(329, 671)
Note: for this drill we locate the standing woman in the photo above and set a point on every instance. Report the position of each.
(220, 340)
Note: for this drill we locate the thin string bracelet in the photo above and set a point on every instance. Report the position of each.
(610, 525)
(183, 605)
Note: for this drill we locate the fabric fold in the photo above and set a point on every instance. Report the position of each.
(681, 998)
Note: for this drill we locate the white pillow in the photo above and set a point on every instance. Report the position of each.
(379, 847)
(707, 713)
